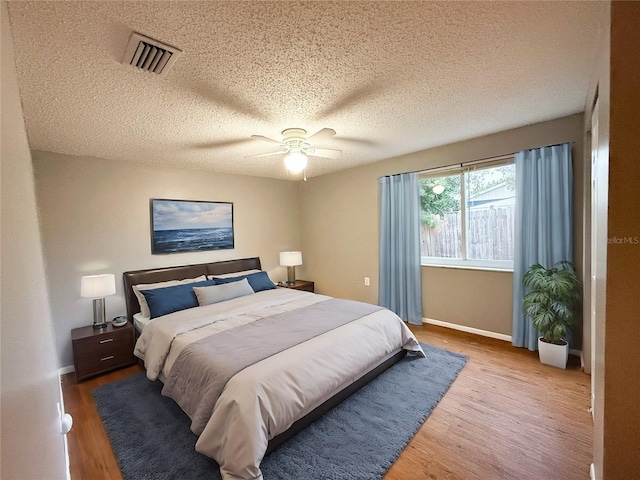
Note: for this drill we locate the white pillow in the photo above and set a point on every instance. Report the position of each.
(222, 292)
(144, 308)
(233, 274)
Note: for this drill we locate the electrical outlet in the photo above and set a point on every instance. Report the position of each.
(366, 281)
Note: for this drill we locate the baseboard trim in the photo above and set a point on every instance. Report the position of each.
(67, 369)
(65, 442)
(463, 328)
(484, 333)
(592, 472)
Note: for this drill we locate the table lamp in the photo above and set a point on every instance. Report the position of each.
(290, 260)
(98, 287)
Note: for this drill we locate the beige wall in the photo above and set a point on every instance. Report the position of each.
(340, 229)
(463, 305)
(32, 446)
(94, 215)
(621, 416)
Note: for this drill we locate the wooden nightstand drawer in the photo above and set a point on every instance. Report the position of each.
(99, 350)
(97, 364)
(303, 285)
(103, 344)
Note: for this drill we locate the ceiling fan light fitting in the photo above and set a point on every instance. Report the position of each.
(297, 147)
(296, 162)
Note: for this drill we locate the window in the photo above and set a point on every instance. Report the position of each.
(467, 216)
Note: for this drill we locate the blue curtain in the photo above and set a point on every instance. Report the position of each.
(400, 275)
(544, 223)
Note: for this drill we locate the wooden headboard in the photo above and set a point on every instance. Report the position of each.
(164, 274)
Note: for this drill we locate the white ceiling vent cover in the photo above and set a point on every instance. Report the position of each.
(150, 55)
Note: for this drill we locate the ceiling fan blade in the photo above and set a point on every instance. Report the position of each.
(279, 152)
(321, 135)
(323, 152)
(266, 139)
(220, 144)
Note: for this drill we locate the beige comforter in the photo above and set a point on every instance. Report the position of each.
(264, 399)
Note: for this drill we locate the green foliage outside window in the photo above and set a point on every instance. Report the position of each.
(433, 205)
(483, 179)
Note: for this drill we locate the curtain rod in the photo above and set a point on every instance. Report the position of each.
(474, 162)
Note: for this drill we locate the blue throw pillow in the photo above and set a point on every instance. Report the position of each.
(163, 301)
(259, 281)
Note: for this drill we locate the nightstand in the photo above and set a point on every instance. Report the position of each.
(303, 285)
(98, 350)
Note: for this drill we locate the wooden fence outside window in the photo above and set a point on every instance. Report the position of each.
(489, 235)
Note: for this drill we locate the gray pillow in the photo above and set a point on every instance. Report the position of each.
(220, 293)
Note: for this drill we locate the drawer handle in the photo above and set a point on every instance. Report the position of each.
(106, 358)
(107, 340)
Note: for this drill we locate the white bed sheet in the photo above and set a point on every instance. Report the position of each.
(140, 321)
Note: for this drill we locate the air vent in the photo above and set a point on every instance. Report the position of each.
(150, 55)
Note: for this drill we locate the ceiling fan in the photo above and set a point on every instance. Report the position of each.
(297, 146)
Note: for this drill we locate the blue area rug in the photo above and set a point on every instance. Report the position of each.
(359, 439)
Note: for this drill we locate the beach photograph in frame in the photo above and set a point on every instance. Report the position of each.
(190, 226)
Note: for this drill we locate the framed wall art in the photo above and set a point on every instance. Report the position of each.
(190, 226)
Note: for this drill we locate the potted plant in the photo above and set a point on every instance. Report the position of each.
(551, 304)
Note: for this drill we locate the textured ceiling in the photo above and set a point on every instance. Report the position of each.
(389, 77)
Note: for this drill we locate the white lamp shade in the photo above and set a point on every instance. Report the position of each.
(296, 162)
(290, 259)
(97, 286)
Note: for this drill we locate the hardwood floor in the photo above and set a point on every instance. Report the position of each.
(506, 416)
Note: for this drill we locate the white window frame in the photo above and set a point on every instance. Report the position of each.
(465, 263)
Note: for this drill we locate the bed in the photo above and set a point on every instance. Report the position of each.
(252, 370)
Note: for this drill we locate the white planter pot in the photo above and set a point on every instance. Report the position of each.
(554, 355)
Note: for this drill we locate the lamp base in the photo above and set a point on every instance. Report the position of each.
(99, 320)
(291, 275)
